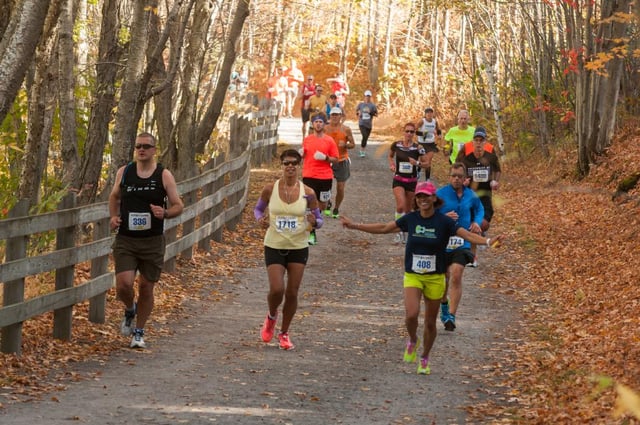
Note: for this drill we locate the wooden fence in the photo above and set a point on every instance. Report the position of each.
(213, 199)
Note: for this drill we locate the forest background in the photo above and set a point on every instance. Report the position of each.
(555, 82)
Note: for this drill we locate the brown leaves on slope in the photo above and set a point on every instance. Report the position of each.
(579, 255)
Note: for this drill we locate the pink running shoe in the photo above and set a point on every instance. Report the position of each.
(268, 328)
(285, 342)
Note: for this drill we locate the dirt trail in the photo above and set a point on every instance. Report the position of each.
(349, 333)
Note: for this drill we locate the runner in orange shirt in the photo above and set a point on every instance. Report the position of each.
(319, 152)
(343, 137)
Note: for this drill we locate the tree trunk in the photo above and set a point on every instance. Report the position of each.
(495, 100)
(210, 118)
(40, 119)
(435, 42)
(17, 48)
(275, 38)
(372, 43)
(165, 89)
(344, 59)
(597, 95)
(163, 104)
(109, 53)
(185, 128)
(69, 144)
(387, 50)
(611, 33)
(126, 123)
(82, 50)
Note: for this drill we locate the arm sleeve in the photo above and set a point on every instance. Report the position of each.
(258, 211)
(319, 221)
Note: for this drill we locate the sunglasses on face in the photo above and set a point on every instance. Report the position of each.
(287, 163)
(410, 131)
(144, 146)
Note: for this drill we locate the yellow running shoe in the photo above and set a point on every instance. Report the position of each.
(423, 366)
(410, 352)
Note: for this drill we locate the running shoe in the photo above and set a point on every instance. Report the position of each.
(444, 311)
(127, 321)
(410, 352)
(423, 366)
(327, 210)
(398, 238)
(312, 238)
(137, 341)
(363, 154)
(450, 323)
(335, 214)
(285, 342)
(475, 262)
(268, 328)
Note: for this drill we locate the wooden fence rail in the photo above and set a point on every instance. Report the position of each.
(213, 199)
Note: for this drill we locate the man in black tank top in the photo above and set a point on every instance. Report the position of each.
(138, 207)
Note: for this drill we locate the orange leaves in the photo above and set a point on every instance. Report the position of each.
(579, 254)
(573, 59)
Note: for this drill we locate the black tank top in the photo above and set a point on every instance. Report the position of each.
(137, 195)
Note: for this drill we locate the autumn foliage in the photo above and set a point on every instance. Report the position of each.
(574, 266)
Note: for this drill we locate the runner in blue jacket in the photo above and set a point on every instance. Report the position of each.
(463, 205)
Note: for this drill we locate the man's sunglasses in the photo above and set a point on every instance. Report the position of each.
(144, 146)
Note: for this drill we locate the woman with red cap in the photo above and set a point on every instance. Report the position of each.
(424, 277)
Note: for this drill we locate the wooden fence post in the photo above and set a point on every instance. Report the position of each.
(240, 130)
(189, 226)
(99, 266)
(219, 207)
(65, 238)
(13, 291)
(170, 236)
(272, 151)
(211, 213)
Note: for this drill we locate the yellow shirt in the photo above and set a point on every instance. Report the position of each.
(317, 103)
(456, 138)
(288, 226)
